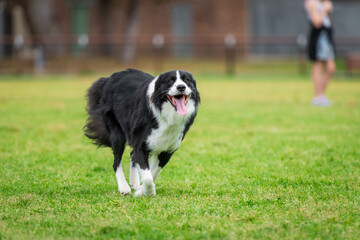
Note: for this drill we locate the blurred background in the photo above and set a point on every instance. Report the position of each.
(55, 36)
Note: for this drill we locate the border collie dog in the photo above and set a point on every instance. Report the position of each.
(151, 114)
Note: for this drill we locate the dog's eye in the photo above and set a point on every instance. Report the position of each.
(172, 79)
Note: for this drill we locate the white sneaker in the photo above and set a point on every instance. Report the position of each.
(321, 101)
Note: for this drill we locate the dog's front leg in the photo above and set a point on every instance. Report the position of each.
(147, 187)
(134, 173)
(158, 162)
(154, 166)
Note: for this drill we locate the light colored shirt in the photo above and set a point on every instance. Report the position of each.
(320, 9)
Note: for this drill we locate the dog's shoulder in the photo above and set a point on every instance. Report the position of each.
(130, 74)
(126, 82)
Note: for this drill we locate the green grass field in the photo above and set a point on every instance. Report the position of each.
(259, 163)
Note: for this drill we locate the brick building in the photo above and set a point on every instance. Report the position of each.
(125, 28)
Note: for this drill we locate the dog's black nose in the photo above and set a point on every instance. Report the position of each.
(181, 87)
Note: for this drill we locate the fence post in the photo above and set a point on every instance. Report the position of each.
(230, 53)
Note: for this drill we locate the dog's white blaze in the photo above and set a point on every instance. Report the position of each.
(123, 185)
(147, 187)
(168, 114)
(173, 90)
(134, 176)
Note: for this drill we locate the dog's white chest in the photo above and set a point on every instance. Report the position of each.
(166, 138)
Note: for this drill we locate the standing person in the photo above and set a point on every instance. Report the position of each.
(320, 48)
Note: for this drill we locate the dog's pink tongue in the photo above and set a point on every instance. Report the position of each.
(180, 106)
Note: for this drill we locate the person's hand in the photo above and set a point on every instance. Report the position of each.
(328, 7)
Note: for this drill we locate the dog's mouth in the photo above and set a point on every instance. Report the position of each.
(179, 103)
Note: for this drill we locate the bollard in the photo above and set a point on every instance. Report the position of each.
(39, 59)
(18, 42)
(158, 44)
(83, 43)
(230, 53)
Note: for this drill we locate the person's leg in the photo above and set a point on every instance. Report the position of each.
(317, 77)
(320, 81)
(330, 68)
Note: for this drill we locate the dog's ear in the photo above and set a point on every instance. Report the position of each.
(192, 79)
(195, 91)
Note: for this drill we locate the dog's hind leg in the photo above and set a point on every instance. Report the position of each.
(118, 146)
(134, 173)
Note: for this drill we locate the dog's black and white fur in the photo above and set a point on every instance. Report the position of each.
(151, 114)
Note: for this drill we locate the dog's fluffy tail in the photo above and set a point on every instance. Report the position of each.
(95, 127)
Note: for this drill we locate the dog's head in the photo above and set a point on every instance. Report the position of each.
(176, 90)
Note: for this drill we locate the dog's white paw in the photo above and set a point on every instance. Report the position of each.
(145, 190)
(125, 190)
(135, 186)
(134, 178)
(135, 183)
